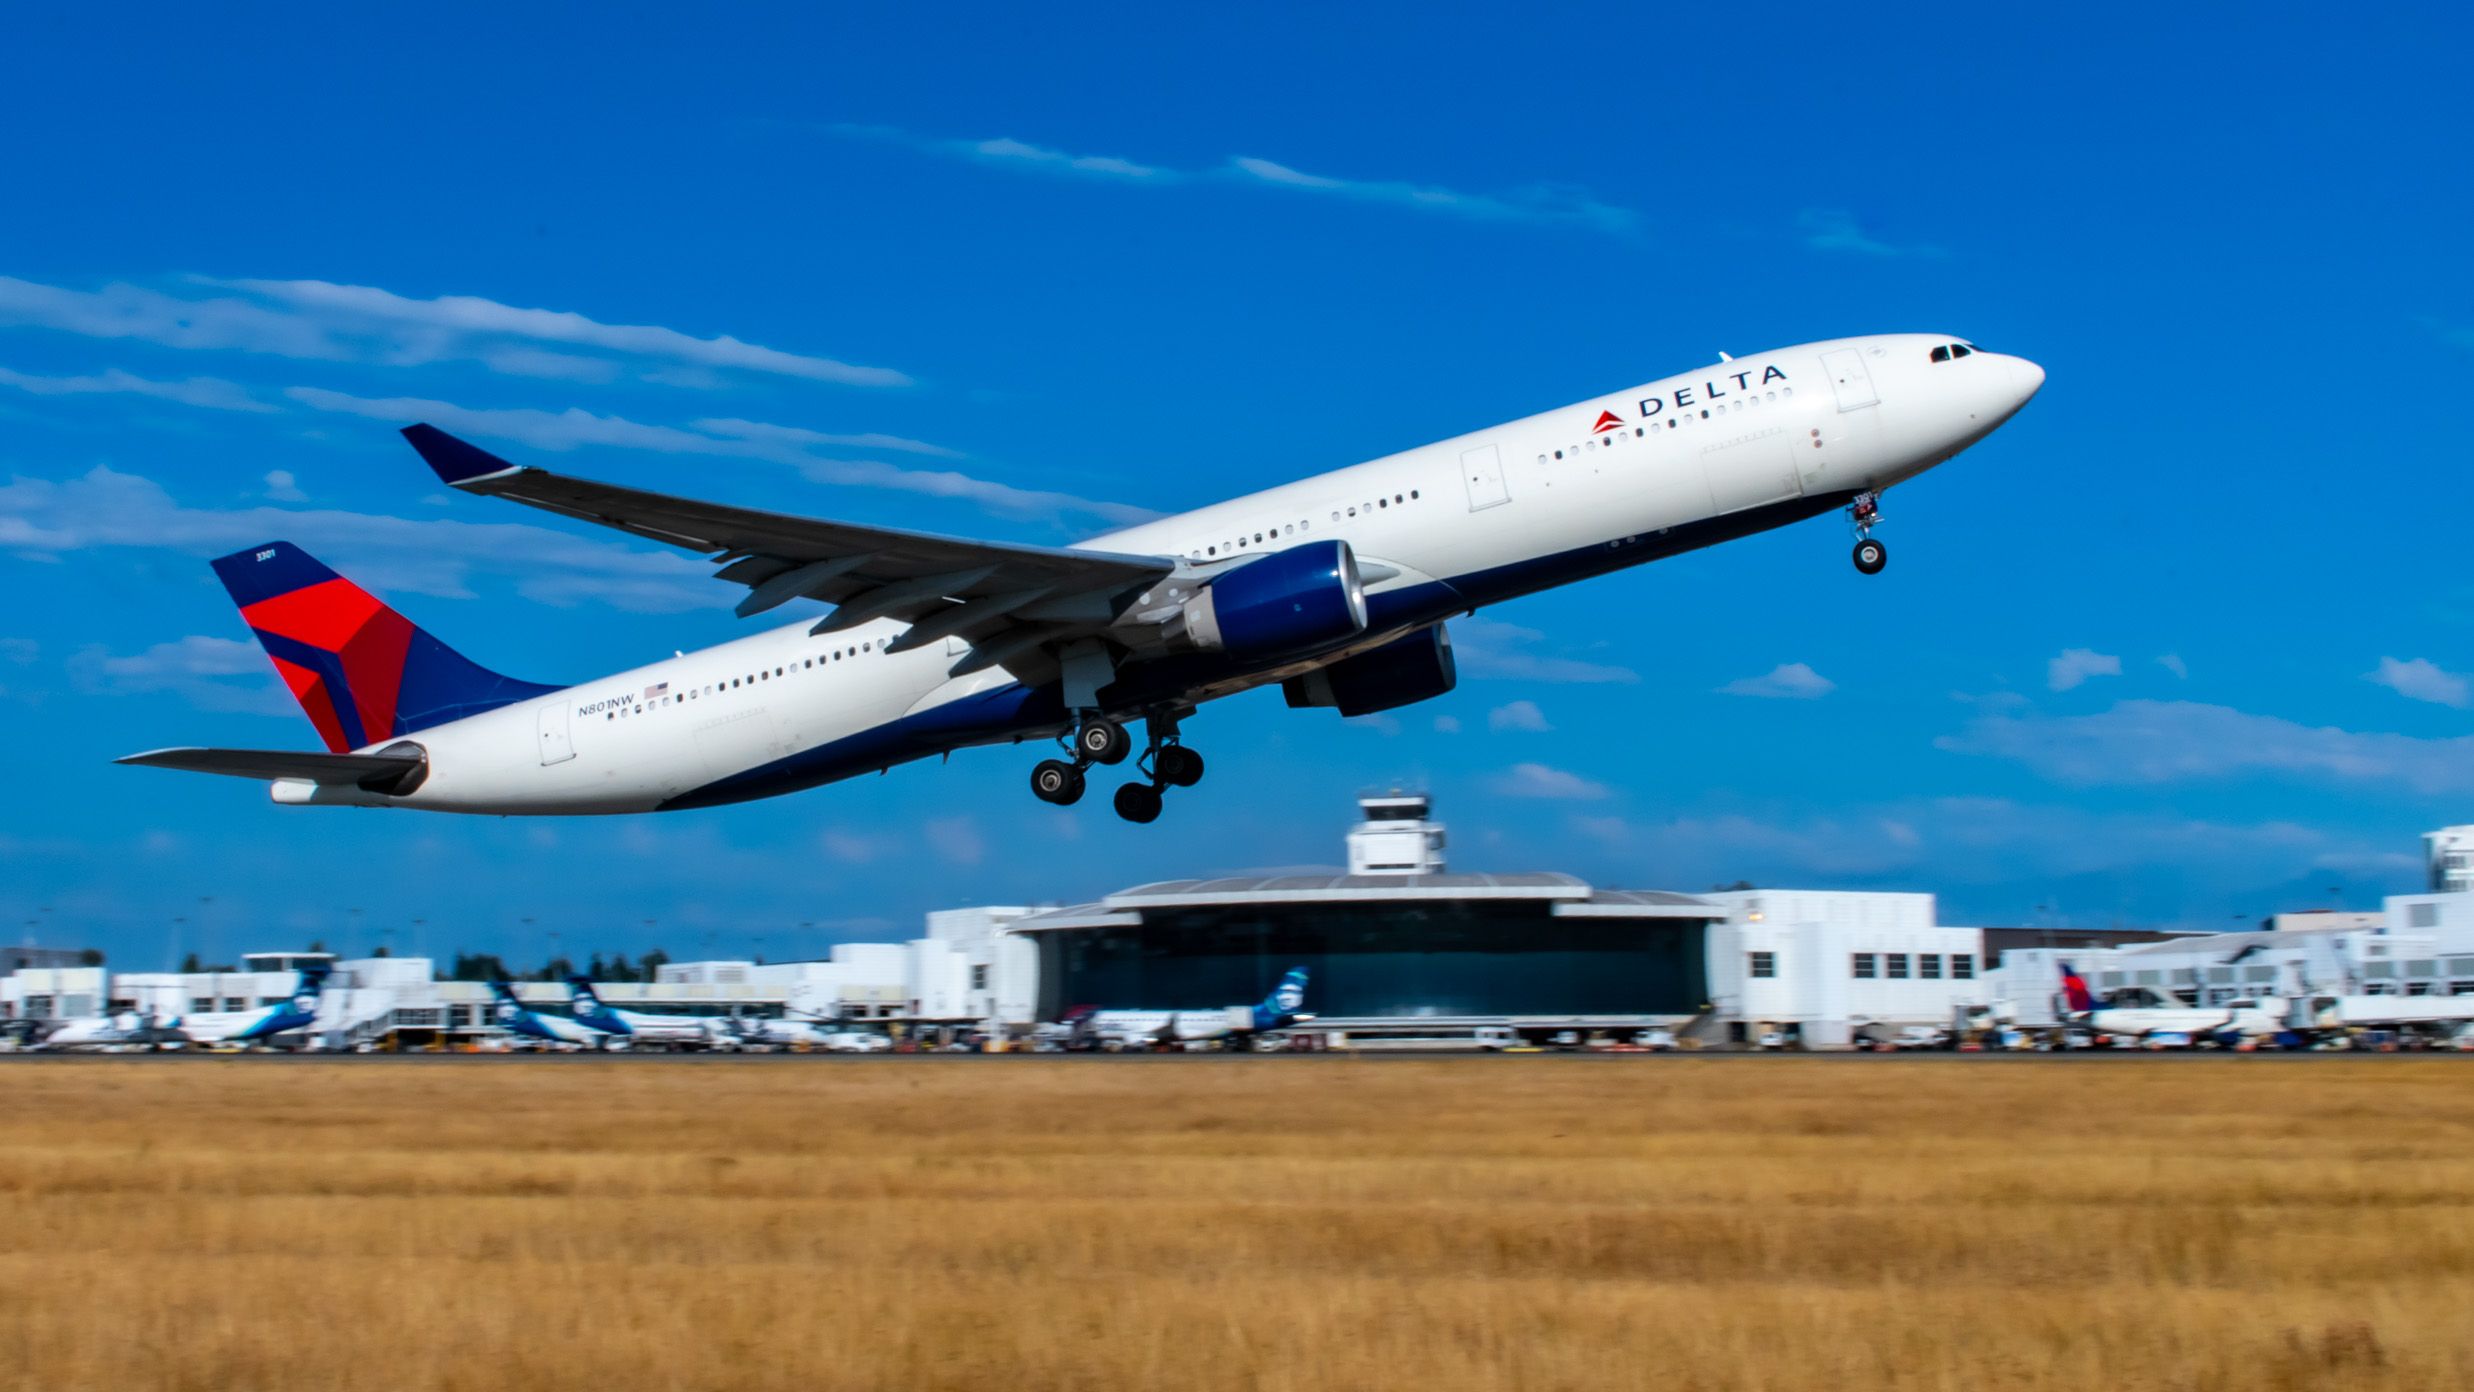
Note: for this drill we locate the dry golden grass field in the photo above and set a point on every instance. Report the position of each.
(1321, 1225)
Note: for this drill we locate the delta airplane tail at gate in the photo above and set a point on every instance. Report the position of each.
(1337, 587)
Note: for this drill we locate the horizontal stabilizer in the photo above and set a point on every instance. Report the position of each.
(378, 773)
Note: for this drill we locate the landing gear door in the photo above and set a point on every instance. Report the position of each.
(1482, 469)
(1848, 378)
(555, 746)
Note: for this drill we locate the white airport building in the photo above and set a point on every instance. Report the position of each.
(1399, 935)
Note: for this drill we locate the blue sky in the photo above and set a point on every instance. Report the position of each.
(2187, 640)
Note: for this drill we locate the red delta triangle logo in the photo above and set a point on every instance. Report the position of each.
(1607, 420)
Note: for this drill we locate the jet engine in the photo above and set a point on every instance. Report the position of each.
(1287, 604)
(1401, 672)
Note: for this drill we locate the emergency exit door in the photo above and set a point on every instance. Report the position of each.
(556, 748)
(1482, 469)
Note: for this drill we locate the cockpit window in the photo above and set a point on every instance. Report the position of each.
(1960, 350)
(1941, 353)
(1947, 351)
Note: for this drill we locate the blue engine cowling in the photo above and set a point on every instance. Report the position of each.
(1401, 672)
(1288, 604)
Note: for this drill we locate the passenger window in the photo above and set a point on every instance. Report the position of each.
(1559, 454)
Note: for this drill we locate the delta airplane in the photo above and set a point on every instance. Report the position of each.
(2175, 1026)
(1338, 588)
(637, 1027)
(1124, 1027)
(517, 1018)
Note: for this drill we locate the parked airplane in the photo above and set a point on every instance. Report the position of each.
(1337, 587)
(517, 1018)
(1139, 1027)
(151, 1029)
(257, 1026)
(125, 1029)
(2172, 1025)
(670, 1031)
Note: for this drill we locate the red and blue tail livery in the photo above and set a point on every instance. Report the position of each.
(363, 673)
(2076, 993)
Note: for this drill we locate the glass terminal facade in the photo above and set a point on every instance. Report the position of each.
(1428, 956)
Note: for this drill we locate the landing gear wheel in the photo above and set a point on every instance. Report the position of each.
(1138, 802)
(1871, 556)
(1057, 781)
(1102, 742)
(1178, 766)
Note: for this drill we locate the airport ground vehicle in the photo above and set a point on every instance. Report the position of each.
(1410, 1037)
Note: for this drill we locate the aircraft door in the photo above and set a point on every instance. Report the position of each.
(1482, 469)
(555, 746)
(1848, 378)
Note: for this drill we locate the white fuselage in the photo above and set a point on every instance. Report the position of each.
(2249, 1019)
(1765, 439)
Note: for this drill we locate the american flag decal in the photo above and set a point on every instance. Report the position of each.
(657, 689)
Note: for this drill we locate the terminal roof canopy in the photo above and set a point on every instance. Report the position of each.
(1567, 896)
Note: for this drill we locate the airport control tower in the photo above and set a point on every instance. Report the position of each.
(1396, 837)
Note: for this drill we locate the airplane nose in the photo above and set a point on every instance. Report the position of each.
(2029, 376)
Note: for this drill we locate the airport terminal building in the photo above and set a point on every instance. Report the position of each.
(1400, 941)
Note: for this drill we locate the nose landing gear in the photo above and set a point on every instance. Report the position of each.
(1865, 513)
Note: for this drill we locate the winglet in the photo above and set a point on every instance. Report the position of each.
(456, 462)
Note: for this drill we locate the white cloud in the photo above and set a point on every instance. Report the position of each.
(1447, 724)
(1540, 781)
(954, 839)
(1007, 148)
(199, 669)
(1519, 715)
(1490, 648)
(44, 518)
(281, 487)
(2172, 662)
(1789, 681)
(1836, 229)
(2076, 665)
(855, 848)
(575, 427)
(322, 321)
(793, 435)
(2152, 742)
(19, 652)
(210, 393)
(2421, 680)
(1544, 203)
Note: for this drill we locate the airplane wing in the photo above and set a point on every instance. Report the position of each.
(1007, 599)
(376, 772)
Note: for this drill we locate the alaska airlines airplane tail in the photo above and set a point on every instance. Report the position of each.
(1283, 1001)
(589, 1009)
(362, 672)
(299, 1012)
(2076, 993)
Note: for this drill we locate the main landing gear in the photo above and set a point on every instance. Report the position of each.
(1865, 513)
(1164, 764)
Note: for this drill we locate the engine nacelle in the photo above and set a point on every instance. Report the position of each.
(1287, 604)
(1401, 672)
